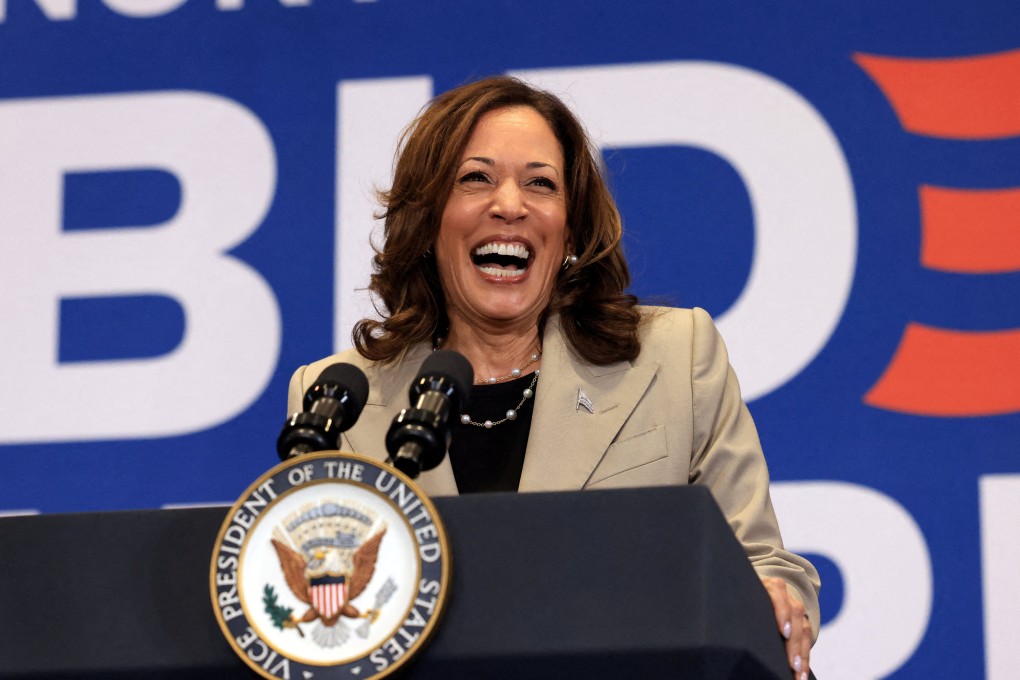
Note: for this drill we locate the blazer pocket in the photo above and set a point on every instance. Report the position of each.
(629, 454)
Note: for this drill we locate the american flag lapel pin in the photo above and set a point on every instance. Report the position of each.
(583, 400)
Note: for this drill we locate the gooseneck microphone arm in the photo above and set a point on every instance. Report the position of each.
(331, 406)
(419, 437)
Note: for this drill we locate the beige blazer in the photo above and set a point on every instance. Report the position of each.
(674, 415)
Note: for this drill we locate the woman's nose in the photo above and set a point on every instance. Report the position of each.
(508, 202)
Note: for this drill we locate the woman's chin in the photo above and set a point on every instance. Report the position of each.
(502, 308)
(502, 299)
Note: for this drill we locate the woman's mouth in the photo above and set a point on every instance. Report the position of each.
(501, 259)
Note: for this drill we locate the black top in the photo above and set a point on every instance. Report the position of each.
(491, 459)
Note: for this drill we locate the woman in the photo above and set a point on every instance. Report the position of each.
(502, 242)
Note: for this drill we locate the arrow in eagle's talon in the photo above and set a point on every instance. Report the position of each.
(292, 622)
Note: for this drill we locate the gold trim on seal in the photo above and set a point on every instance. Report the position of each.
(240, 553)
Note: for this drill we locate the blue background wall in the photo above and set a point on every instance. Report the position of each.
(691, 241)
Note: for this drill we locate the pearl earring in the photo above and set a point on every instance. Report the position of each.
(569, 261)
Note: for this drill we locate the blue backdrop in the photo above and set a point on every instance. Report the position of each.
(242, 126)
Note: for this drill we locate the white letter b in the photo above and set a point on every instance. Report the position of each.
(224, 161)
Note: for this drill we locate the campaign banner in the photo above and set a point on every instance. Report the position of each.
(187, 201)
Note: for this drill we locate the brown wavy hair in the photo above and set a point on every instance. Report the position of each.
(598, 318)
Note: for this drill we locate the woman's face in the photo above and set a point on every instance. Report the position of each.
(504, 228)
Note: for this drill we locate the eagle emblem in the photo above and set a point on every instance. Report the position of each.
(327, 562)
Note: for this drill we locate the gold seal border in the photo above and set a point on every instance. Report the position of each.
(444, 587)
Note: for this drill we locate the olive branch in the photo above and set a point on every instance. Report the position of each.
(281, 615)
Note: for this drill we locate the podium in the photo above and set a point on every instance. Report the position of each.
(644, 583)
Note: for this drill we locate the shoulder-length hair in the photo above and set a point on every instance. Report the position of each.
(597, 317)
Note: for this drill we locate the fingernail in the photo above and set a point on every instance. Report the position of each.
(786, 630)
(796, 663)
(803, 676)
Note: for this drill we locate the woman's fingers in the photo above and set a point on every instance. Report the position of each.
(776, 588)
(805, 646)
(793, 624)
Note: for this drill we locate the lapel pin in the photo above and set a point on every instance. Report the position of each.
(583, 400)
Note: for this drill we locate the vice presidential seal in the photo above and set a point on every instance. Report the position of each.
(331, 565)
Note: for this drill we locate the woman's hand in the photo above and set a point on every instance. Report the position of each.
(793, 625)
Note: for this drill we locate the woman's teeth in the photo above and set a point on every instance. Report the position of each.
(496, 271)
(510, 249)
(499, 259)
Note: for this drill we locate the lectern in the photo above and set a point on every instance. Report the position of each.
(636, 583)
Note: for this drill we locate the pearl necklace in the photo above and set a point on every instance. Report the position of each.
(511, 414)
(515, 373)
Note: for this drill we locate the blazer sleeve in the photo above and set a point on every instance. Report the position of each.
(727, 457)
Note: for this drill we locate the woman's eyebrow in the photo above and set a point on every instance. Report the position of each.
(530, 165)
(540, 164)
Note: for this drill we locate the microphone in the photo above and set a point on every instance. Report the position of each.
(331, 406)
(418, 437)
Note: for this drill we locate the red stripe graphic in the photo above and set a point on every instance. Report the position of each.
(961, 98)
(970, 232)
(939, 372)
(942, 372)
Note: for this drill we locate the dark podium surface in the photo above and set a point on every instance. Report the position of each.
(642, 583)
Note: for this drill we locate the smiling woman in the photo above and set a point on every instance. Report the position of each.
(503, 234)
(502, 242)
(520, 160)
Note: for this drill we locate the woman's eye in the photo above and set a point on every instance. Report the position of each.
(474, 177)
(544, 182)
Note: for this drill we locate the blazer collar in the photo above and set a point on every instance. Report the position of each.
(388, 383)
(568, 441)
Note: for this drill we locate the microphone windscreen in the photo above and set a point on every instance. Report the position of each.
(348, 377)
(449, 364)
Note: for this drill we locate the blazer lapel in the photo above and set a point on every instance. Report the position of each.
(568, 441)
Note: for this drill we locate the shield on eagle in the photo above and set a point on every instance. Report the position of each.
(328, 595)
